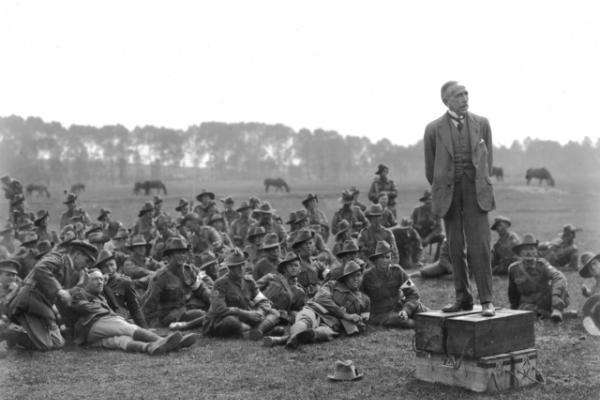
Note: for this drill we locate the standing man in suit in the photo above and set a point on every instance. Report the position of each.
(458, 161)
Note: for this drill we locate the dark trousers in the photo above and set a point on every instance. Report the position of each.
(466, 224)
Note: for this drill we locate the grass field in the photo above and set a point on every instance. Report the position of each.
(234, 369)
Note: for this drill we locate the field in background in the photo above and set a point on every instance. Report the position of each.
(220, 369)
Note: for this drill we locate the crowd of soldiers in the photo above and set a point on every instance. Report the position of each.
(226, 271)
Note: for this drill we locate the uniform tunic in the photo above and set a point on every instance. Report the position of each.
(353, 215)
(368, 238)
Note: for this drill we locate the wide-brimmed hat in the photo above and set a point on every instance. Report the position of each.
(235, 257)
(103, 213)
(137, 241)
(296, 217)
(43, 247)
(290, 257)
(345, 371)
(498, 220)
(265, 208)
(157, 200)
(11, 266)
(29, 238)
(426, 196)
(40, 216)
(270, 241)
(343, 226)
(374, 210)
(586, 262)
(103, 256)
(349, 247)
(349, 268)
(182, 203)
(528, 241)
(148, 207)
(85, 247)
(570, 228)
(347, 196)
(303, 235)
(244, 205)
(216, 217)
(309, 197)
(71, 197)
(227, 200)
(382, 247)
(18, 199)
(380, 169)
(203, 193)
(121, 234)
(175, 244)
(255, 231)
(207, 259)
(591, 315)
(94, 228)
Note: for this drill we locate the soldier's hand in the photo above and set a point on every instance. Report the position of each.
(403, 315)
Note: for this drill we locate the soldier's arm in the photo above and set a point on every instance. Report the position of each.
(324, 297)
(557, 279)
(487, 137)
(429, 146)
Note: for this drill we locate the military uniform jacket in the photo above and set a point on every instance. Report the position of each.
(530, 283)
(390, 290)
(309, 277)
(283, 294)
(121, 297)
(88, 309)
(425, 222)
(175, 287)
(368, 238)
(205, 238)
(353, 215)
(378, 186)
(239, 229)
(264, 266)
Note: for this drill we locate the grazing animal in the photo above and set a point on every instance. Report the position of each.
(541, 174)
(147, 186)
(39, 189)
(498, 172)
(77, 188)
(277, 183)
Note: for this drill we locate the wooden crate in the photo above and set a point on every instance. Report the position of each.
(430, 329)
(488, 374)
(473, 336)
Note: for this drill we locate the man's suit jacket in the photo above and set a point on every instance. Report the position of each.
(439, 164)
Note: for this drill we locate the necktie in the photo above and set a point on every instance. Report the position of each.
(459, 123)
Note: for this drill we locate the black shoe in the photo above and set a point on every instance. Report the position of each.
(456, 307)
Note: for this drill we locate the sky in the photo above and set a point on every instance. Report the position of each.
(368, 68)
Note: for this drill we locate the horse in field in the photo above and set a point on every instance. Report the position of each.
(39, 189)
(498, 172)
(541, 174)
(147, 186)
(278, 183)
(77, 188)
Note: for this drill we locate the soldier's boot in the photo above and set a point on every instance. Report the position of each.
(299, 333)
(270, 341)
(165, 345)
(145, 335)
(264, 327)
(136, 347)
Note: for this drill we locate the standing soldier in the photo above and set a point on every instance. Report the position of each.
(502, 251)
(73, 211)
(316, 216)
(239, 227)
(458, 162)
(535, 285)
(369, 236)
(428, 224)
(229, 213)
(145, 224)
(350, 213)
(381, 184)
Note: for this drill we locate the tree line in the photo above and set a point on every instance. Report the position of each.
(37, 151)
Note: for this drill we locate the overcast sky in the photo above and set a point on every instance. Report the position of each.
(370, 68)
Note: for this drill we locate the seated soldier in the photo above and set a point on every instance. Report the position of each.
(590, 268)
(176, 292)
(119, 290)
(239, 228)
(299, 220)
(408, 243)
(535, 285)
(502, 253)
(428, 225)
(9, 285)
(138, 265)
(338, 307)
(394, 297)
(269, 258)
(439, 268)
(343, 234)
(349, 251)
(311, 270)
(351, 213)
(256, 234)
(99, 326)
(563, 251)
(282, 289)
(26, 254)
(217, 221)
(237, 307)
(316, 216)
(387, 219)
